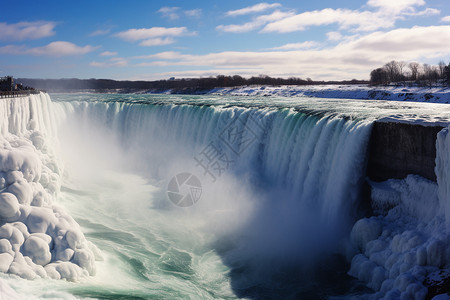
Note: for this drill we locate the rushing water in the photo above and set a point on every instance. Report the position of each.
(277, 201)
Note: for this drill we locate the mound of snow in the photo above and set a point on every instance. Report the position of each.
(37, 238)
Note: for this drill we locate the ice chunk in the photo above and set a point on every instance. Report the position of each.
(37, 249)
(75, 239)
(363, 231)
(9, 205)
(85, 260)
(21, 268)
(67, 270)
(5, 261)
(22, 190)
(5, 246)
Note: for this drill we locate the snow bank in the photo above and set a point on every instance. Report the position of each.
(37, 238)
(402, 251)
(395, 93)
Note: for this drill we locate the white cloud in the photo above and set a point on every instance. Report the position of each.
(396, 6)
(113, 62)
(173, 13)
(26, 30)
(446, 19)
(169, 12)
(379, 14)
(100, 32)
(58, 48)
(297, 46)
(407, 42)
(197, 73)
(345, 18)
(334, 36)
(133, 35)
(12, 49)
(252, 9)
(154, 36)
(61, 48)
(167, 55)
(108, 53)
(193, 13)
(426, 12)
(157, 42)
(257, 22)
(349, 59)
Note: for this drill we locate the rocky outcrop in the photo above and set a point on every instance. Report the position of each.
(399, 149)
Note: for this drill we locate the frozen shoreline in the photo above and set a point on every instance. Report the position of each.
(437, 94)
(393, 93)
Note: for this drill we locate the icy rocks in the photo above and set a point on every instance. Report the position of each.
(37, 238)
(400, 248)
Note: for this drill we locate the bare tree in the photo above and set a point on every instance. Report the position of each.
(414, 67)
(441, 67)
(401, 66)
(392, 70)
(430, 74)
(447, 74)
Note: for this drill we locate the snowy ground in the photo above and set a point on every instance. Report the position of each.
(396, 93)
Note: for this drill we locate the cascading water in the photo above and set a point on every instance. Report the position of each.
(284, 185)
(316, 162)
(280, 192)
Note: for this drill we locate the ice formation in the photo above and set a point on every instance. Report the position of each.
(403, 250)
(37, 238)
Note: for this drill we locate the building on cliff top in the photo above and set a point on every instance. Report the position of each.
(7, 83)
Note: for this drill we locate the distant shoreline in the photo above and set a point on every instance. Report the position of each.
(437, 94)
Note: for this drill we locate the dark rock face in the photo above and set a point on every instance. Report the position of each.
(399, 149)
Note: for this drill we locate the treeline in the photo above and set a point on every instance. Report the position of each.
(400, 72)
(182, 85)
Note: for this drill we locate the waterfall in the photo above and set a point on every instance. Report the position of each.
(306, 162)
(277, 185)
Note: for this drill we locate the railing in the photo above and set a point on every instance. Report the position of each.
(13, 94)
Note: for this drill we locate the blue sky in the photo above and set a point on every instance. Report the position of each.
(147, 40)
